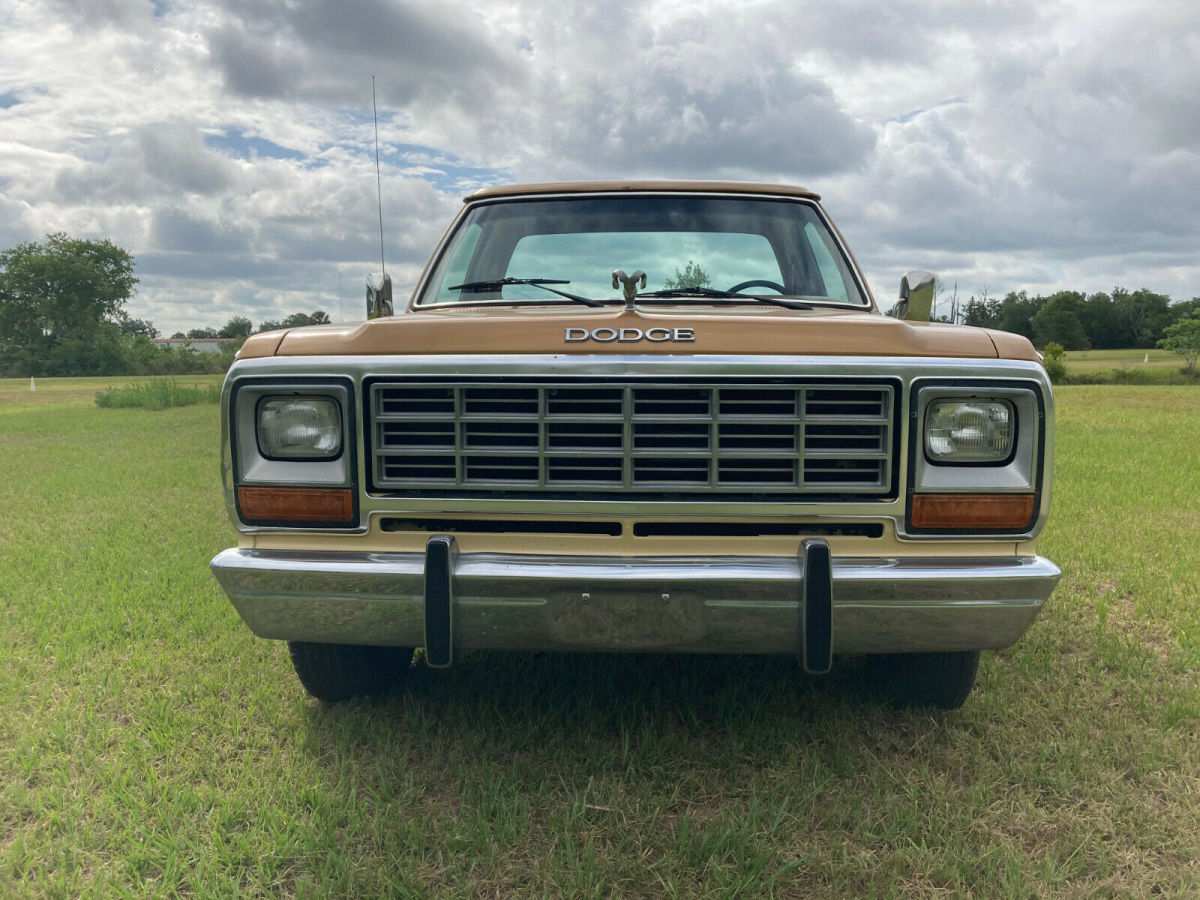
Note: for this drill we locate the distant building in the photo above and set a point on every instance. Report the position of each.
(201, 345)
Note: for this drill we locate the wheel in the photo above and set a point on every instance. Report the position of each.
(940, 680)
(757, 282)
(334, 672)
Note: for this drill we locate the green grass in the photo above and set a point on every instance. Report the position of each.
(151, 746)
(159, 393)
(1157, 367)
(1106, 360)
(15, 395)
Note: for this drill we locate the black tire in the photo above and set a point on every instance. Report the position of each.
(938, 680)
(335, 672)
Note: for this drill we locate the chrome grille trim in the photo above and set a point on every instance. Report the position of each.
(677, 438)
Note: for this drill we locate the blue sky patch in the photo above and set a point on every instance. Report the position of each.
(237, 143)
(912, 114)
(9, 100)
(444, 171)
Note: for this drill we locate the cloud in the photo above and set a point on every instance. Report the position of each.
(230, 145)
(326, 51)
(154, 161)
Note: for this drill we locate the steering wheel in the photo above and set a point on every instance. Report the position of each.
(757, 282)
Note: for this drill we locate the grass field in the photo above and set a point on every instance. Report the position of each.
(15, 395)
(151, 746)
(1159, 361)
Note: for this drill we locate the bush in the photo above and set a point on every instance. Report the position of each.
(161, 393)
(1183, 339)
(1052, 359)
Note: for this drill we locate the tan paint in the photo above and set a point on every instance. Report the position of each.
(888, 546)
(1012, 346)
(259, 345)
(541, 330)
(659, 185)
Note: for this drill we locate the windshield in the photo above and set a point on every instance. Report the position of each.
(752, 246)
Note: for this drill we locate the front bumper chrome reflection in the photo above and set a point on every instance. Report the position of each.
(617, 604)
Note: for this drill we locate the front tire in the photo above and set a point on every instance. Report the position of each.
(336, 672)
(937, 680)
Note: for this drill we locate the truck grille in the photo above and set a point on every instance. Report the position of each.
(821, 438)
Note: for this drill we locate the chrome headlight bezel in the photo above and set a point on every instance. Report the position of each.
(252, 467)
(1023, 472)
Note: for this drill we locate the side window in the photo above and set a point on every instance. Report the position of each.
(833, 271)
(459, 257)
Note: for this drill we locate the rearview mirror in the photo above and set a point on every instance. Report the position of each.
(916, 297)
(379, 295)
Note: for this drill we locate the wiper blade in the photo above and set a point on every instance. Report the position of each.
(543, 283)
(714, 294)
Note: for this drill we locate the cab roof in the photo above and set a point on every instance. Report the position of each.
(596, 187)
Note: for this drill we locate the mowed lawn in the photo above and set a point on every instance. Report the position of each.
(149, 745)
(1086, 361)
(16, 396)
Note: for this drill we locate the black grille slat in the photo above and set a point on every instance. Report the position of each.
(584, 435)
(822, 438)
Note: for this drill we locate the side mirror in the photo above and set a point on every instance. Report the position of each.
(916, 297)
(379, 295)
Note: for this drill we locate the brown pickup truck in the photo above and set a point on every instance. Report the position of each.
(641, 417)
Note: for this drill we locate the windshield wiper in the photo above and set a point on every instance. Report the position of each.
(543, 283)
(714, 294)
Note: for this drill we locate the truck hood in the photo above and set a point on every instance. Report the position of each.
(542, 330)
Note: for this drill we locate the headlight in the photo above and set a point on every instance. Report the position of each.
(299, 428)
(969, 431)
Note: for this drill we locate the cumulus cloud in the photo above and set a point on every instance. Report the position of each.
(230, 145)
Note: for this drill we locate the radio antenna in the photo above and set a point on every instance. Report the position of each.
(378, 180)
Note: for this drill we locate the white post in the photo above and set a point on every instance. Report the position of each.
(32, 384)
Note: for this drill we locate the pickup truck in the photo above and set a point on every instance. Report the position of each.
(654, 417)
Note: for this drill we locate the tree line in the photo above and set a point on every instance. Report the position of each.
(1102, 321)
(241, 327)
(62, 314)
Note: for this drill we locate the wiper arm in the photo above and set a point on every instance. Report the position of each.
(714, 294)
(543, 283)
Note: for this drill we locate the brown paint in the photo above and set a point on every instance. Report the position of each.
(658, 185)
(542, 330)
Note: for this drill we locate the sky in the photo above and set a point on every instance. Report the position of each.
(229, 144)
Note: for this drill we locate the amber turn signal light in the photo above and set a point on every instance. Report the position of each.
(302, 506)
(972, 512)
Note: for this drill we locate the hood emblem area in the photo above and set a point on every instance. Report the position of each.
(629, 335)
(630, 283)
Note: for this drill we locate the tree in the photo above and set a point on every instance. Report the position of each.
(1142, 314)
(237, 327)
(1185, 308)
(1052, 359)
(982, 311)
(133, 327)
(1183, 339)
(1016, 311)
(1101, 322)
(202, 334)
(1059, 321)
(692, 276)
(299, 320)
(60, 300)
(296, 320)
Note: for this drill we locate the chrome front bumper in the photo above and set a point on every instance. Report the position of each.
(672, 604)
